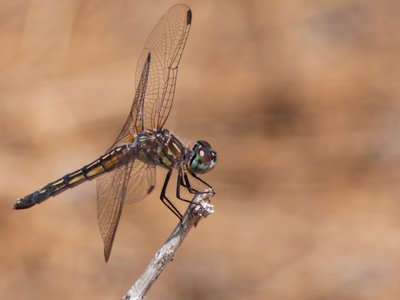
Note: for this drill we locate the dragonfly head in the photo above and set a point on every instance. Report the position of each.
(202, 158)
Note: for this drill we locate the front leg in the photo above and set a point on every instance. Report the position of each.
(183, 180)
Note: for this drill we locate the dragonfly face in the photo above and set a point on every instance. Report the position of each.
(126, 172)
(203, 158)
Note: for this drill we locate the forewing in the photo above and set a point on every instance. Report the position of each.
(111, 193)
(165, 45)
(128, 131)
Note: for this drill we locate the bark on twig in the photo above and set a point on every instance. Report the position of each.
(197, 210)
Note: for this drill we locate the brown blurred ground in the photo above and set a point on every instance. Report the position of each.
(301, 99)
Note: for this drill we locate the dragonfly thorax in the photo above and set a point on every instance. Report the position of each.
(160, 147)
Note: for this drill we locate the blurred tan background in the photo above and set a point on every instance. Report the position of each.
(301, 99)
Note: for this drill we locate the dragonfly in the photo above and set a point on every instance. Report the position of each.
(126, 172)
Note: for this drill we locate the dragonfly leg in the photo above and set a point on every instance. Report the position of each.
(190, 188)
(165, 200)
(180, 182)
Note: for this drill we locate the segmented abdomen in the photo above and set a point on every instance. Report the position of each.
(105, 163)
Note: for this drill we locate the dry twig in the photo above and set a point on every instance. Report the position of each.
(197, 210)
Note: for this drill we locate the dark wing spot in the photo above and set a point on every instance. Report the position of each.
(189, 17)
(151, 188)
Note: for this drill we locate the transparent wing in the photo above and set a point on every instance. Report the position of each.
(143, 184)
(111, 192)
(129, 182)
(165, 45)
(155, 86)
(128, 131)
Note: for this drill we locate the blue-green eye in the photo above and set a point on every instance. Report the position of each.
(203, 159)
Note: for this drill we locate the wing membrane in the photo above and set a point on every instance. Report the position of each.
(129, 182)
(111, 193)
(165, 44)
(144, 182)
(128, 131)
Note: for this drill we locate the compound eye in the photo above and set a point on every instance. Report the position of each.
(203, 158)
(205, 155)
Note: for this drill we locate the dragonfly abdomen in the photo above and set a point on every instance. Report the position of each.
(105, 163)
